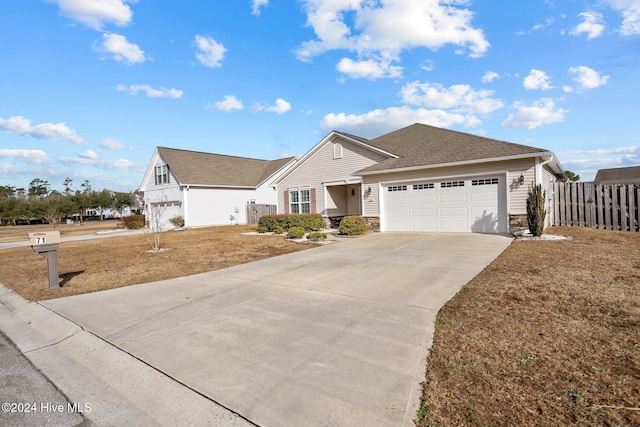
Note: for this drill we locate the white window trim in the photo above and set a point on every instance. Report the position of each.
(299, 203)
(337, 151)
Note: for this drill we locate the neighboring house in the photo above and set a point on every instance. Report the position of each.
(630, 175)
(208, 189)
(109, 213)
(420, 178)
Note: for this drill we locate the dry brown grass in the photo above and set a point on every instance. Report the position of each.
(548, 334)
(99, 264)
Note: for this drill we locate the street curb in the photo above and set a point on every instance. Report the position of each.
(118, 388)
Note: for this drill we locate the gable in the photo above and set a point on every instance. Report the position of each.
(336, 159)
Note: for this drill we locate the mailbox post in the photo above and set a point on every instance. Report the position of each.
(46, 244)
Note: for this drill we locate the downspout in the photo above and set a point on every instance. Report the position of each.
(186, 206)
(539, 169)
(548, 205)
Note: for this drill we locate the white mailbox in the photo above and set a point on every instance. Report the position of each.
(44, 238)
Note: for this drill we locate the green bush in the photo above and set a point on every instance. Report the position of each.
(177, 221)
(353, 225)
(296, 233)
(262, 229)
(278, 230)
(316, 236)
(309, 222)
(134, 222)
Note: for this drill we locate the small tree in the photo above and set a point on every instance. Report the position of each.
(536, 212)
(154, 214)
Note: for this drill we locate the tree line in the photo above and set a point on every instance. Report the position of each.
(39, 202)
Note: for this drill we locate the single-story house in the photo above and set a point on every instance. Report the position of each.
(420, 178)
(628, 175)
(208, 189)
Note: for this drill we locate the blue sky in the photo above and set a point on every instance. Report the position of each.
(89, 88)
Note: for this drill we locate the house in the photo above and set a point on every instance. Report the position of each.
(629, 175)
(208, 189)
(419, 178)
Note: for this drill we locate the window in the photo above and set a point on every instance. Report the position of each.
(300, 201)
(422, 186)
(337, 151)
(397, 188)
(162, 174)
(486, 181)
(452, 184)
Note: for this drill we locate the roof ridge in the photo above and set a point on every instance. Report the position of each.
(222, 155)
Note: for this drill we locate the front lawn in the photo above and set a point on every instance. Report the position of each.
(547, 335)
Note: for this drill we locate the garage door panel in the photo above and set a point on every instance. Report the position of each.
(453, 211)
(446, 198)
(482, 197)
(451, 205)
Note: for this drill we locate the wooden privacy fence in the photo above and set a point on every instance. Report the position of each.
(585, 204)
(255, 211)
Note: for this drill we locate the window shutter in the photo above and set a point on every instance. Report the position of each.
(312, 195)
(286, 201)
(155, 175)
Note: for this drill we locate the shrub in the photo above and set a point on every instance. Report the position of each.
(278, 230)
(309, 222)
(316, 236)
(134, 222)
(296, 232)
(262, 229)
(353, 225)
(535, 209)
(177, 221)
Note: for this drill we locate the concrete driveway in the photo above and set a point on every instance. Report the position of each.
(336, 335)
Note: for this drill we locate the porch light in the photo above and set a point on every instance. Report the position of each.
(521, 179)
(369, 190)
(353, 192)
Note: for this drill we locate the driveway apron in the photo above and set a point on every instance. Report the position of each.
(335, 335)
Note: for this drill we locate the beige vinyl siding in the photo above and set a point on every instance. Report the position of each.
(516, 193)
(321, 168)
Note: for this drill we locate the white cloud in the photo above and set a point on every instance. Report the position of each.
(630, 10)
(89, 155)
(256, 5)
(592, 25)
(460, 98)
(210, 53)
(385, 29)
(151, 92)
(490, 76)
(31, 156)
(587, 77)
(112, 144)
(120, 49)
(537, 80)
(369, 69)
(541, 112)
(95, 13)
(378, 122)
(281, 106)
(49, 131)
(229, 103)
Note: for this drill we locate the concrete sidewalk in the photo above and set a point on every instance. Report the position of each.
(336, 335)
(95, 383)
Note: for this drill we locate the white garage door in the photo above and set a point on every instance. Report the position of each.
(446, 205)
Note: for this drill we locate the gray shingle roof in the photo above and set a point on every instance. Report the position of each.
(207, 169)
(423, 145)
(627, 175)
